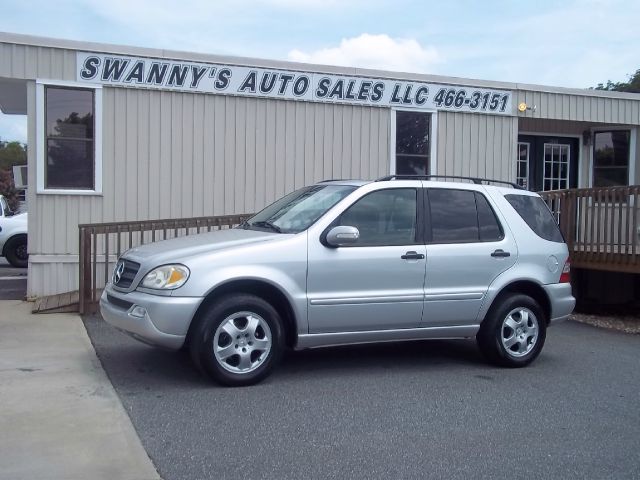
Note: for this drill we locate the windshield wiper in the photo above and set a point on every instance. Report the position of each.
(265, 224)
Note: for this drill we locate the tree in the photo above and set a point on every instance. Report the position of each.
(12, 153)
(8, 189)
(631, 86)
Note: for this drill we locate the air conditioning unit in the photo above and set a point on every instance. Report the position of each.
(20, 177)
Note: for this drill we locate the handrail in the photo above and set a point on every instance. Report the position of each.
(101, 244)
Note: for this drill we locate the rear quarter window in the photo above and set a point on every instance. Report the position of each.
(537, 215)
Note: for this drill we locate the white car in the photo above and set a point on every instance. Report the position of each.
(13, 235)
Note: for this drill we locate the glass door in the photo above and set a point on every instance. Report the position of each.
(522, 164)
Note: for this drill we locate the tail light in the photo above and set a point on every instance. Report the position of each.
(565, 276)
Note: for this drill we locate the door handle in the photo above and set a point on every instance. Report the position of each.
(412, 256)
(500, 254)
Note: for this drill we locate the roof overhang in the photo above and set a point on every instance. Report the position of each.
(13, 96)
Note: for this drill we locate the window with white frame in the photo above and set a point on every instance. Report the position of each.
(556, 166)
(413, 145)
(611, 158)
(69, 140)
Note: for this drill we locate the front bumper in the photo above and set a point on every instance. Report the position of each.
(562, 300)
(159, 320)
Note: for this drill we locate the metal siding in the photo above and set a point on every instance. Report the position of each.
(170, 154)
(476, 145)
(563, 106)
(637, 159)
(31, 62)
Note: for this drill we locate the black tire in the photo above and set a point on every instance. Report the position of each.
(494, 329)
(203, 338)
(15, 251)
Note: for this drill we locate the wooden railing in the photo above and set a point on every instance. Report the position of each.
(101, 244)
(601, 226)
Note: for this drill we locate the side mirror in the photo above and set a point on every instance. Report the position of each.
(342, 235)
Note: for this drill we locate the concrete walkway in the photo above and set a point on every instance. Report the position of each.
(60, 418)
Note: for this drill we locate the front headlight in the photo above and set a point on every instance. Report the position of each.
(166, 277)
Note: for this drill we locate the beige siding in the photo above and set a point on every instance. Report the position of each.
(579, 108)
(476, 145)
(31, 62)
(172, 155)
(169, 154)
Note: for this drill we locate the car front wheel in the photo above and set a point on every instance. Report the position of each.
(514, 331)
(238, 341)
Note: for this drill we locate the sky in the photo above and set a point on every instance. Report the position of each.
(566, 43)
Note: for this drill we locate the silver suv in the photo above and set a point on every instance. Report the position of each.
(347, 262)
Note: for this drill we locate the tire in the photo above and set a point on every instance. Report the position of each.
(15, 251)
(238, 340)
(513, 332)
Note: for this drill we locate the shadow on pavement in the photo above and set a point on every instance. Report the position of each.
(130, 359)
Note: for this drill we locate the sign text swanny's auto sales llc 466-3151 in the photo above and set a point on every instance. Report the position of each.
(287, 84)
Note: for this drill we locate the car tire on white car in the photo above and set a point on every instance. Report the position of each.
(513, 332)
(238, 340)
(15, 251)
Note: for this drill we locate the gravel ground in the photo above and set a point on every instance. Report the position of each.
(627, 323)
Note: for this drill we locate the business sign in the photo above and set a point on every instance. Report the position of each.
(163, 74)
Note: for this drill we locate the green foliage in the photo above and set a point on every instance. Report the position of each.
(631, 86)
(8, 189)
(12, 153)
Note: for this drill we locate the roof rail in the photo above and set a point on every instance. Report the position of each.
(327, 180)
(476, 180)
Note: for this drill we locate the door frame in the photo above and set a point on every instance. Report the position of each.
(579, 158)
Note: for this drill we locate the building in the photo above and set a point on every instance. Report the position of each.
(120, 134)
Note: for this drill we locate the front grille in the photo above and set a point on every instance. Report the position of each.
(118, 302)
(128, 273)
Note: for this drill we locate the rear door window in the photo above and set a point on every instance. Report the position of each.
(461, 216)
(537, 215)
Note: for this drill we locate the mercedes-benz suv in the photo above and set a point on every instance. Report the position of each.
(349, 262)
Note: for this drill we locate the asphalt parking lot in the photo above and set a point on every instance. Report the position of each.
(13, 281)
(412, 410)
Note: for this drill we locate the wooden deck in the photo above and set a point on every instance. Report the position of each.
(601, 226)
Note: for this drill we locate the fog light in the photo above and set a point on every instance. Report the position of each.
(138, 311)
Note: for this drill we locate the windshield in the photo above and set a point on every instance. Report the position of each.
(4, 208)
(299, 210)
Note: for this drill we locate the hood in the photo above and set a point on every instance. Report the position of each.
(178, 249)
(15, 219)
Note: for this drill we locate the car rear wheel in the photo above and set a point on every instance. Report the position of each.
(514, 331)
(15, 251)
(238, 341)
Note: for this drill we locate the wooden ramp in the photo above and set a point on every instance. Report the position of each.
(63, 302)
